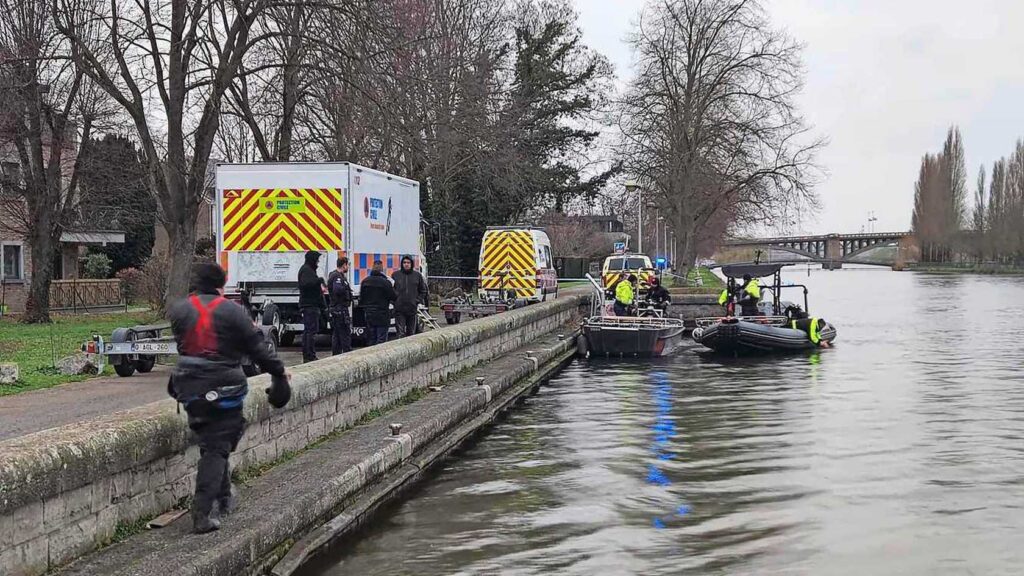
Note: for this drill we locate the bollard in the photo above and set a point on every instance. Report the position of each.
(396, 429)
(561, 336)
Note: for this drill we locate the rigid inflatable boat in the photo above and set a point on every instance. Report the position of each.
(748, 334)
(778, 326)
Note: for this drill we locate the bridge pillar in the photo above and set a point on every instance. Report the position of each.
(907, 251)
(833, 257)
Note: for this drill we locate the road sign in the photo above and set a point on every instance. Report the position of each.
(620, 247)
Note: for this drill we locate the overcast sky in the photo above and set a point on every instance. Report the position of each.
(885, 79)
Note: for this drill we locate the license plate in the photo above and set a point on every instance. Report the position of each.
(152, 347)
(140, 348)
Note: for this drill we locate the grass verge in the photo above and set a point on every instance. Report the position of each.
(37, 347)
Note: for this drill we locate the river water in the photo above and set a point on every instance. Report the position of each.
(898, 451)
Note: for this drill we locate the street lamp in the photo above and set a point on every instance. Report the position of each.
(871, 221)
(631, 185)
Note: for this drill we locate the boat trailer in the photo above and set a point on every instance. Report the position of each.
(137, 348)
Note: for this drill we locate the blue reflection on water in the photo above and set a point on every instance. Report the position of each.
(664, 431)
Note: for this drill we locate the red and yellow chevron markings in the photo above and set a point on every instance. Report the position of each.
(509, 253)
(283, 219)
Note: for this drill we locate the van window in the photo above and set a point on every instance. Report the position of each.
(635, 263)
(615, 264)
(547, 257)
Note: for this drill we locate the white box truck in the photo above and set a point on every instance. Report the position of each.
(270, 214)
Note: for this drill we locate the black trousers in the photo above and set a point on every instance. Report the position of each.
(376, 335)
(341, 332)
(310, 328)
(218, 436)
(406, 324)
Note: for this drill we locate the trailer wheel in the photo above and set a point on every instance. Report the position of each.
(145, 364)
(123, 365)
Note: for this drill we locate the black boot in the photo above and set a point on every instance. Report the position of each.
(226, 505)
(203, 523)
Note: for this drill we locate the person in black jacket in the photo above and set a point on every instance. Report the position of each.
(213, 335)
(340, 292)
(311, 303)
(411, 291)
(375, 296)
(658, 295)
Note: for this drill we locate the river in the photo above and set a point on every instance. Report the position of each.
(898, 451)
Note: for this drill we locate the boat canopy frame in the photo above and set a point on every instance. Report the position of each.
(732, 272)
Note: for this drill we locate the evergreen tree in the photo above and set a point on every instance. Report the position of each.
(114, 195)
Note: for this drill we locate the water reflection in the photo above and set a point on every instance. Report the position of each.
(896, 452)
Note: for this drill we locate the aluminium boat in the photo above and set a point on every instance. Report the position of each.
(649, 335)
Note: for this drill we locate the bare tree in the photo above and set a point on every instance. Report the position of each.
(940, 200)
(709, 123)
(169, 65)
(48, 116)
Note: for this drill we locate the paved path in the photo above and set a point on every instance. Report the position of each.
(37, 410)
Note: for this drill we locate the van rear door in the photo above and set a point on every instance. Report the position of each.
(508, 260)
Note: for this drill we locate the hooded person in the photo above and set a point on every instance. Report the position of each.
(410, 292)
(311, 303)
(375, 297)
(213, 334)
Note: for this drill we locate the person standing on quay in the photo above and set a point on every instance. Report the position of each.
(213, 335)
(411, 290)
(311, 303)
(340, 292)
(375, 296)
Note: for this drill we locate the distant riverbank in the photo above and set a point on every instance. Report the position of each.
(986, 269)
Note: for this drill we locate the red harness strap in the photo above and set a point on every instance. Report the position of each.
(202, 340)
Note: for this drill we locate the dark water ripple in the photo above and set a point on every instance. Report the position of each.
(900, 451)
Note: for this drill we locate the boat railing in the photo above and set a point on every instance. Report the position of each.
(634, 321)
(764, 320)
(597, 302)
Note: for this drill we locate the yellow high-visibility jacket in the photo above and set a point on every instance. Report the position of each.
(624, 293)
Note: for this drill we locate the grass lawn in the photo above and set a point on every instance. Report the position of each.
(711, 283)
(36, 347)
(709, 278)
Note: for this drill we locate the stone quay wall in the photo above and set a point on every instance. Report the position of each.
(66, 491)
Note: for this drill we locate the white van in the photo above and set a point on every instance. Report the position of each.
(517, 259)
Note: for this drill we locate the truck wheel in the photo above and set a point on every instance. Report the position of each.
(271, 316)
(145, 364)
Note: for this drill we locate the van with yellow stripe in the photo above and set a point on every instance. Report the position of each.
(620, 266)
(517, 261)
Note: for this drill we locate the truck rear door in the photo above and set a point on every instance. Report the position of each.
(270, 215)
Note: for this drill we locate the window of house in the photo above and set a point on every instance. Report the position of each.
(13, 262)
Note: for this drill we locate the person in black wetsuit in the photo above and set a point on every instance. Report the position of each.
(213, 335)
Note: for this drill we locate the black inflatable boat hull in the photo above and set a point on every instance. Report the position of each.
(740, 336)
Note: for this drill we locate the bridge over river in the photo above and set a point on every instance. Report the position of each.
(833, 250)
